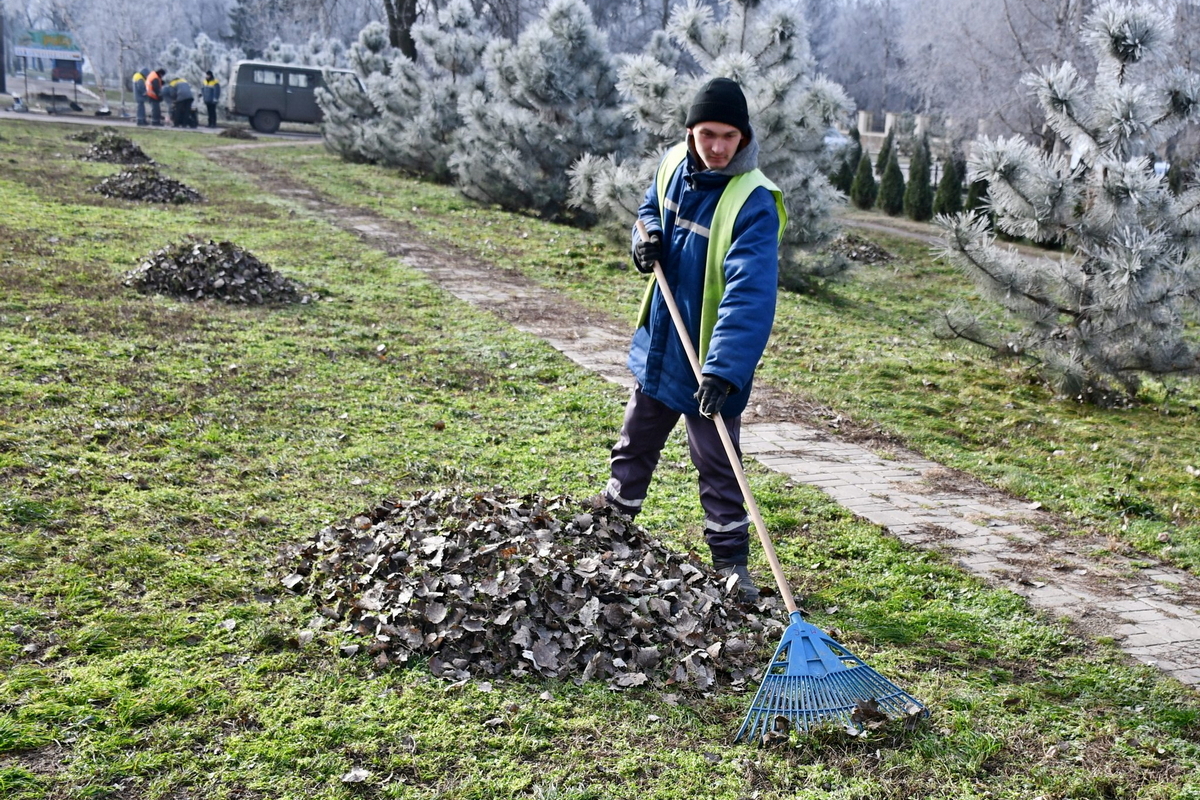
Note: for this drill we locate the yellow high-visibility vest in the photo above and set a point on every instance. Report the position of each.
(720, 238)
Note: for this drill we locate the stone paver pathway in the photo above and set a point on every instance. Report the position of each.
(1151, 612)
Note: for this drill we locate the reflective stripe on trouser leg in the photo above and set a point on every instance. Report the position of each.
(647, 425)
(726, 525)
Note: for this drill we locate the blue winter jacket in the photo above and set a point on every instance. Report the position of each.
(747, 310)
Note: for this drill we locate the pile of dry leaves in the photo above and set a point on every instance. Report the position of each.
(196, 270)
(110, 147)
(91, 134)
(143, 182)
(488, 584)
(859, 249)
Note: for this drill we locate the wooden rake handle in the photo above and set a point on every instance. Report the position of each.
(735, 460)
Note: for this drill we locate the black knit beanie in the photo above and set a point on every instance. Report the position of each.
(720, 100)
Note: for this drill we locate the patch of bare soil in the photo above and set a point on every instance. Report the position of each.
(48, 760)
(236, 133)
(944, 480)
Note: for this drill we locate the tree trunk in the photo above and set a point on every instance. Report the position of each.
(121, 76)
(401, 15)
(3, 59)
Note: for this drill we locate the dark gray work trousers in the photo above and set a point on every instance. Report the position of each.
(647, 425)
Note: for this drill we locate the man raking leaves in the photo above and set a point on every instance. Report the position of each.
(720, 253)
(709, 230)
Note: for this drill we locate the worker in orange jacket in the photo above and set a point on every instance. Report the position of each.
(154, 95)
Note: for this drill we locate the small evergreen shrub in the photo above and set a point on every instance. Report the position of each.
(864, 189)
(885, 152)
(918, 194)
(949, 199)
(891, 188)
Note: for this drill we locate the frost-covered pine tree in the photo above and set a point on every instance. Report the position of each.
(418, 101)
(316, 52)
(322, 52)
(550, 98)
(347, 110)
(178, 59)
(280, 52)
(764, 47)
(1118, 307)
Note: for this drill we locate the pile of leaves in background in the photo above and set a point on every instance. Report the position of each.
(858, 249)
(112, 148)
(236, 133)
(195, 270)
(91, 134)
(144, 182)
(487, 584)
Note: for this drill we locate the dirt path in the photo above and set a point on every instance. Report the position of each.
(1150, 611)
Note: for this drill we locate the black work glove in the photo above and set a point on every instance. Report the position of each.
(646, 252)
(712, 394)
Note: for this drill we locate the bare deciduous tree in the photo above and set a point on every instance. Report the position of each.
(401, 16)
(965, 60)
(863, 52)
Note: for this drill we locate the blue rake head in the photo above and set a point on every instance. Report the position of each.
(813, 679)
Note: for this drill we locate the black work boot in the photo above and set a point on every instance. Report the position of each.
(747, 591)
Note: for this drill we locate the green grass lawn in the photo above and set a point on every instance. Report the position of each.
(156, 456)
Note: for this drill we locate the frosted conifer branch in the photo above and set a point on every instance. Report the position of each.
(1061, 93)
(692, 26)
(1125, 33)
(1181, 96)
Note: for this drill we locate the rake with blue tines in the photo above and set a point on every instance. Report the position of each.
(812, 679)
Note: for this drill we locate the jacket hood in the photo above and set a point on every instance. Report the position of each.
(745, 160)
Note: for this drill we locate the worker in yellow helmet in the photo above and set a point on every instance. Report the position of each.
(179, 91)
(211, 94)
(139, 94)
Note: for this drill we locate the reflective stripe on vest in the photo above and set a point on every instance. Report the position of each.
(720, 239)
